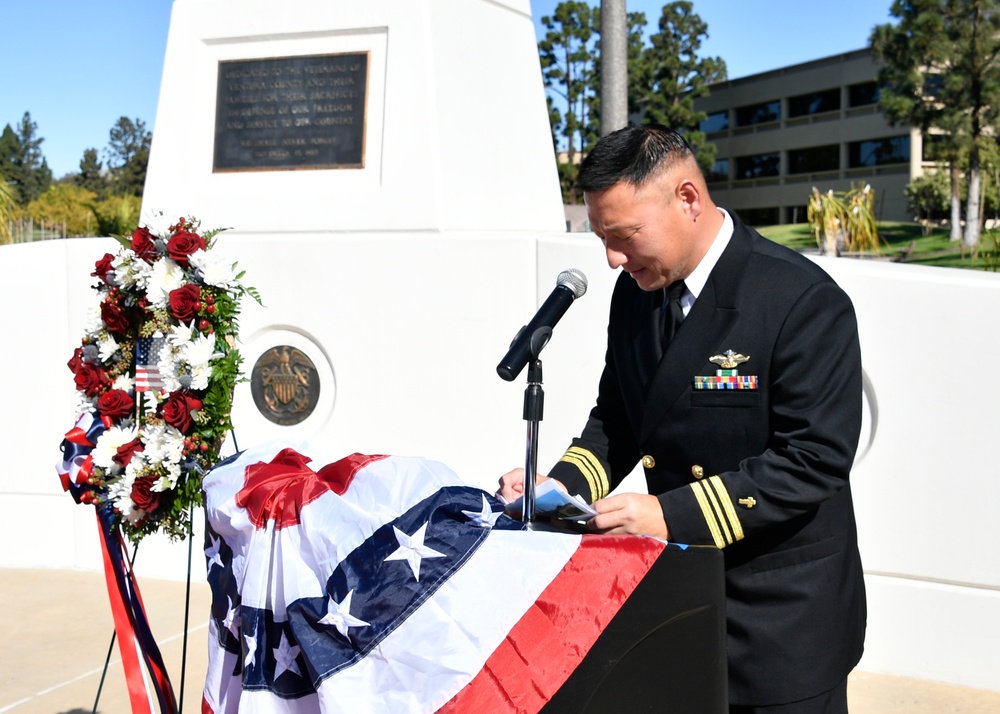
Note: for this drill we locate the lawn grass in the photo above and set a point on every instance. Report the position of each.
(933, 249)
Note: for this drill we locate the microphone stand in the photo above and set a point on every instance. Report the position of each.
(534, 403)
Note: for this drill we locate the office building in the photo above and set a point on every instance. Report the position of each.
(780, 133)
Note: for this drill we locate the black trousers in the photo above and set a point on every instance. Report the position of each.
(832, 702)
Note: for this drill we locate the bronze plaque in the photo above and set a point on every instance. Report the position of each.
(285, 385)
(283, 113)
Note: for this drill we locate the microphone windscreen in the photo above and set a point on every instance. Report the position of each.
(575, 280)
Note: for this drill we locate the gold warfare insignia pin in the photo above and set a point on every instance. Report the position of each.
(728, 377)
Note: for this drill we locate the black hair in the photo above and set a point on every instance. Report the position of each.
(633, 154)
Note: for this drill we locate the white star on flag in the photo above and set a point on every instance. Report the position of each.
(284, 656)
(486, 518)
(339, 615)
(213, 554)
(412, 549)
(232, 621)
(251, 648)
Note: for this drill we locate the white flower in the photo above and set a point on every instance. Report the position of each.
(130, 269)
(171, 371)
(164, 483)
(93, 322)
(181, 334)
(82, 404)
(197, 354)
(201, 350)
(165, 277)
(199, 376)
(121, 493)
(163, 445)
(108, 443)
(124, 383)
(215, 270)
(106, 346)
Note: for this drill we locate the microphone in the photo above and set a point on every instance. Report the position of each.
(532, 338)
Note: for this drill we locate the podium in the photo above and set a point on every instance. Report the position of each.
(665, 650)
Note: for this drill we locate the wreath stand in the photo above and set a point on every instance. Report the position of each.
(130, 561)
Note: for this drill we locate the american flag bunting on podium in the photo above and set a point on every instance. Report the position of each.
(386, 584)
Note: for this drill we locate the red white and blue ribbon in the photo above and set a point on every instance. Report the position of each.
(135, 639)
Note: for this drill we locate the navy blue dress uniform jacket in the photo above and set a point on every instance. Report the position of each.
(761, 473)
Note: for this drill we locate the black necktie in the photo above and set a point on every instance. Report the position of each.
(673, 314)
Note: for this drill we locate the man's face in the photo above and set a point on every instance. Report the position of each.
(646, 231)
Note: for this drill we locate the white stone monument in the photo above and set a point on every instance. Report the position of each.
(387, 171)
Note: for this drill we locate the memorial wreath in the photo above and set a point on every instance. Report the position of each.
(155, 375)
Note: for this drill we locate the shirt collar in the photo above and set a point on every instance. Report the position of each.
(696, 281)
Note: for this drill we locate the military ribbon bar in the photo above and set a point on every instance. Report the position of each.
(726, 382)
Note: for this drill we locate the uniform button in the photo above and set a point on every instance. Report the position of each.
(697, 471)
(648, 461)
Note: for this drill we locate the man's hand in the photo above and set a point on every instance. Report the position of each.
(512, 484)
(633, 513)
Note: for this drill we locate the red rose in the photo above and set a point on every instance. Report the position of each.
(143, 495)
(126, 452)
(185, 302)
(182, 244)
(91, 380)
(115, 404)
(176, 411)
(114, 317)
(76, 361)
(103, 267)
(142, 244)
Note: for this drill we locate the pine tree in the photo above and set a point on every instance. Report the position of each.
(941, 72)
(36, 176)
(11, 160)
(90, 177)
(674, 75)
(127, 156)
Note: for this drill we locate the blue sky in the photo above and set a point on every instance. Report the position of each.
(79, 66)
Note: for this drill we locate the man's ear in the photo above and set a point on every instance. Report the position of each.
(689, 194)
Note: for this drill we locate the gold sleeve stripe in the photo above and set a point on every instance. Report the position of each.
(595, 468)
(591, 468)
(727, 504)
(706, 511)
(587, 474)
(717, 512)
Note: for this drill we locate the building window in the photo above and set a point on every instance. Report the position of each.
(933, 84)
(760, 216)
(718, 172)
(796, 214)
(758, 166)
(814, 103)
(759, 113)
(878, 152)
(812, 160)
(859, 95)
(717, 121)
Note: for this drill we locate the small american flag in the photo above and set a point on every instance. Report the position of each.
(147, 371)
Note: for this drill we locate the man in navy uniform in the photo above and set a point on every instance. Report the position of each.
(733, 374)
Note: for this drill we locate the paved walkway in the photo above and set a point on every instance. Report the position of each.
(57, 629)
